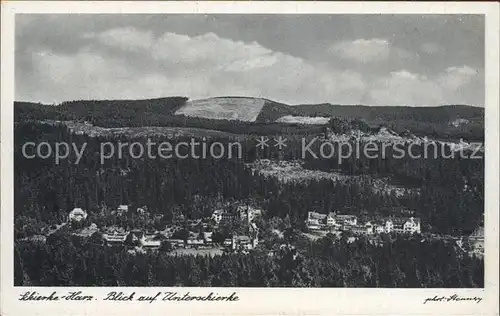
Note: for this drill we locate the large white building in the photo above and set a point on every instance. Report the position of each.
(115, 236)
(404, 225)
(207, 236)
(316, 221)
(243, 242)
(217, 216)
(346, 220)
(399, 225)
(77, 215)
(248, 213)
(412, 225)
(150, 241)
(122, 209)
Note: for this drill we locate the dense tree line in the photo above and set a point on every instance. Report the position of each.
(137, 113)
(422, 121)
(451, 197)
(405, 263)
(431, 121)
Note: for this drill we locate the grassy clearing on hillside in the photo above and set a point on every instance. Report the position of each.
(202, 252)
(243, 109)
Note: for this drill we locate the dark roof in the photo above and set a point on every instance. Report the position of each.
(314, 215)
(242, 238)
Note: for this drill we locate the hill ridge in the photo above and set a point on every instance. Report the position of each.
(251, 113)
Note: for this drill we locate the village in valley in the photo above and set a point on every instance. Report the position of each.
(179, 236)
(204, 236)
(323, 165)
(321, 224)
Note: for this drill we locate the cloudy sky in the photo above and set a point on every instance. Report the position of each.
(342, 59)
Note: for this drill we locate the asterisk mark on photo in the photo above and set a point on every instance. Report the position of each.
(280, 142)
(262, 142)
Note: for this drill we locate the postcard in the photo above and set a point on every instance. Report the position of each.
(249, 158)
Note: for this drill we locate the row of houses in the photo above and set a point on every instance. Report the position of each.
(117, 236)
(78, 214)
(124, 209)
(245, 214)
(318, 221)
(243, 242)
(242, 213)
(344, 222)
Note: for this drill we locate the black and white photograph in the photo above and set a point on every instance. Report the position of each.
(210, 150)
(249, 151)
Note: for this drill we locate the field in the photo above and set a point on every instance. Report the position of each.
(146, 131)
(315, 235)
(293, 171)
(202, 252)
(243, 109)
(290, 119)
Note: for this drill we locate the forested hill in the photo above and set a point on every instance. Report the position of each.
(91, 110)
(422, 121)
(432, 121)
(437, 114)
(270, 112)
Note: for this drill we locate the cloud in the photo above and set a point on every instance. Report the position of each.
(367, 50)
(455, 78)
(254, 62)
(195, 66)
(431, 48)
(127, 38)
(463, 70)
(406, 88)
(87, 75)
(190, 51)
(131, 63)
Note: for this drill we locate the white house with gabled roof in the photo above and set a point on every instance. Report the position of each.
(122, 209)
(77, 215)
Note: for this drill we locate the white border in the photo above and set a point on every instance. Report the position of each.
(269, 301)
